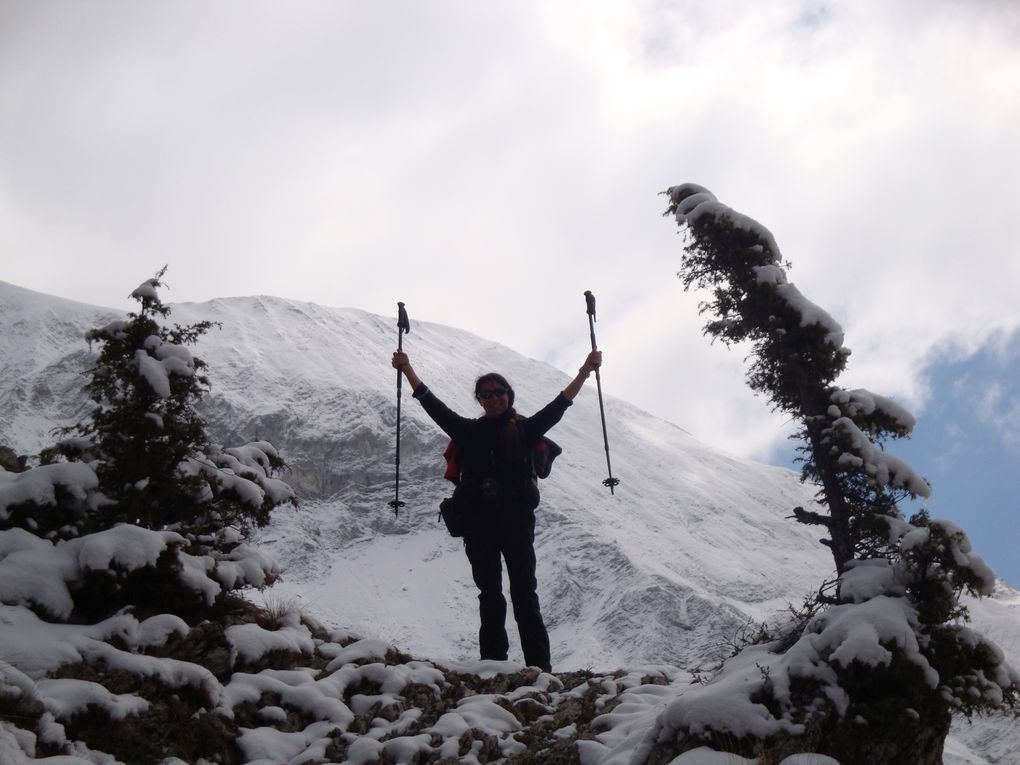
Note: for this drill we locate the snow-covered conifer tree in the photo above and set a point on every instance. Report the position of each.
(148, 444)
(885, 659)
(120, 555)
(143, 459)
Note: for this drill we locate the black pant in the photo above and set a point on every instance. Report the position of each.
(507, 532)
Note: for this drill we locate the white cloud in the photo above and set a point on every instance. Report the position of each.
(488, 163)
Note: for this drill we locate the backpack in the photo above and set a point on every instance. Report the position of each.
(452, 512)
(542, 457)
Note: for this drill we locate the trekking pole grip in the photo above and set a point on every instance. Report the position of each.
(403, 325)
(589, 300)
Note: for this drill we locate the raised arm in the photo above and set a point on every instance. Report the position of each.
(591, 363)
(452, 423)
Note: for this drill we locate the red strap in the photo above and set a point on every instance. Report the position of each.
(454, 464)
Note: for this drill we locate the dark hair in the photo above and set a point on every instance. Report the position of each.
(494, 377)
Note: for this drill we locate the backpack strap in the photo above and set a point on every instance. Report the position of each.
(540, 459)
(454, 463)
(546, 450)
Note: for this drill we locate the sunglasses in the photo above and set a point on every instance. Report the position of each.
(485, 395)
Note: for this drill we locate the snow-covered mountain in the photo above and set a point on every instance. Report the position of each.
(693, 544)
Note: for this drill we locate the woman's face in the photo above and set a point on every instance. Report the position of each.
(494, 398)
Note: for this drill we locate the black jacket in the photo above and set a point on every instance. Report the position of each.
(495, 448)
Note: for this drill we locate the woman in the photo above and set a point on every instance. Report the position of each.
(498, 488)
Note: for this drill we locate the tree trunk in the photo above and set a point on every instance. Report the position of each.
(842, 543)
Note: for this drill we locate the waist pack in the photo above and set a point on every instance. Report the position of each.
(452, 511)
(458, 511)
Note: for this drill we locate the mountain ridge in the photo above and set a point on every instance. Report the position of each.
(694, 544)
(316, 382)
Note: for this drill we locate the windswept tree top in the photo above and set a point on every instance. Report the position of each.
(798, 348)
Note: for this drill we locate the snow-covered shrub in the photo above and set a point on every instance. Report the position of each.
(119, 556)
(68, 492)
(875, 674)
(147, 444)
(143, 459)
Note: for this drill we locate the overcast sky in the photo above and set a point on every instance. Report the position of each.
(486, 163)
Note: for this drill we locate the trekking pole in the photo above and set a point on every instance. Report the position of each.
(610, 482)
(403, 325)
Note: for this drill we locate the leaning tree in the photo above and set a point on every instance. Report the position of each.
(883, 657)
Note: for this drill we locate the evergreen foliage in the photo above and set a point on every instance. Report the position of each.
(794, 362)
(148, 444)
(912, 573)
(129, 541)
(143, 461)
